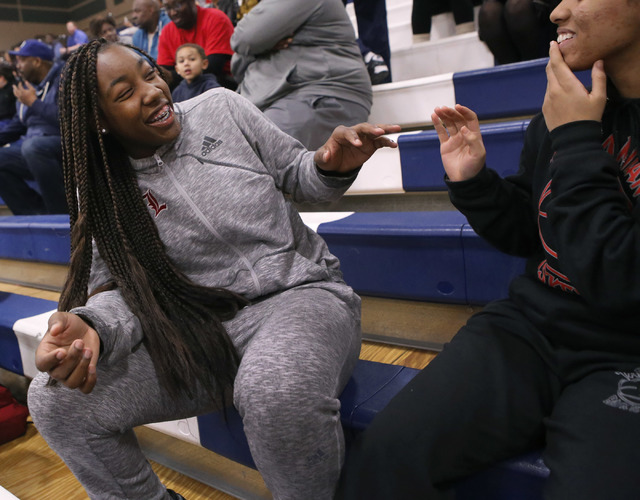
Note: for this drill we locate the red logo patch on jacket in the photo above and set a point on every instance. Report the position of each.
(152, 201)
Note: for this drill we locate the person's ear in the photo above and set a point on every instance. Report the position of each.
(205, 63)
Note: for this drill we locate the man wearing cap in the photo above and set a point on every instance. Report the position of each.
(33, 156)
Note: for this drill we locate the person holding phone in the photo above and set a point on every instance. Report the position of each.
(32, 137)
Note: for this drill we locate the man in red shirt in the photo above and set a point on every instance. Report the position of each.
(209, 28)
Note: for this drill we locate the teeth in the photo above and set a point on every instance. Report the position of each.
(161, 117)
(565, 36)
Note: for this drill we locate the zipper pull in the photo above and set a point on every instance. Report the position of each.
(159, 161)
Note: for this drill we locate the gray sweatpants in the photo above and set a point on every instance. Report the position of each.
(298, 349)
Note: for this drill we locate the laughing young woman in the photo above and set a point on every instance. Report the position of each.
(557, 364)
(193, 281)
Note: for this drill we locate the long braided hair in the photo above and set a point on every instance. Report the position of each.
(181, 321)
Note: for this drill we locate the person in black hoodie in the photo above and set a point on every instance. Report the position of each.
(556, 365)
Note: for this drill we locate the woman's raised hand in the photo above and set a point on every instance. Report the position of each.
(349, 147)
(461, 147)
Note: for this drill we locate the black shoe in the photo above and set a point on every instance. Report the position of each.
(377, 68)
(174, 495)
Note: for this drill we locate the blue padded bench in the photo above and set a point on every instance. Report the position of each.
(13, 308)
(508, 90)
(427, 256)
(420, 154)
(42, 238)
(370, 389)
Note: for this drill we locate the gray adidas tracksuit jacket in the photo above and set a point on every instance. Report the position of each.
(218, 197)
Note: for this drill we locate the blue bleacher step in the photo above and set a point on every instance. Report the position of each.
(41, 238)
(29, 316)
(507, 91)
(416, 255)
(422, 168)
(425, 256)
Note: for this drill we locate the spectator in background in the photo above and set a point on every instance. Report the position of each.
(126, 31)
(229, 7)
(516, 30)
(7, 98)
(104, 27)
(191, 62)
(32, 138)
(76, 38)
(209, 28)
(423, 10)
(299, 62)
(150, 20)
(56, 43)
(373, 38)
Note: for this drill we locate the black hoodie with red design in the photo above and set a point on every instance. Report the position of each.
(572, 211)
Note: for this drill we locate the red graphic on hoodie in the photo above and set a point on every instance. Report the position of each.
(153, 202)
(628, 161)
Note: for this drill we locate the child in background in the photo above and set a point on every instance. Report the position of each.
(191, 62)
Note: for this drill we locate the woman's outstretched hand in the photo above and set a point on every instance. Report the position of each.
(69, 352)
(349, 147)
(461, 147)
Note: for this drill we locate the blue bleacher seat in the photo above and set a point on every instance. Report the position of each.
(12, 308)
(509, 90)
(42, 238)
(415, 255)
(420, 154)
(428, 256)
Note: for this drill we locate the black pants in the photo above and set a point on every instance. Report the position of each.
(423, 10)
(36, 159)
(373, 32)
(491, 395)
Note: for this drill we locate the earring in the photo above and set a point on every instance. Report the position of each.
(103, 131)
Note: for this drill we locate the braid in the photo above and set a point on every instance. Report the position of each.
(181, 321)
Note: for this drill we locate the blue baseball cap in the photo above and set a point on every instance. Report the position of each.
(34, 48)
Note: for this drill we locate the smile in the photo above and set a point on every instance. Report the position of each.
(565, 36)
(163, 116)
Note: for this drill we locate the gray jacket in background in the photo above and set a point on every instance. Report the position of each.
(323, 59)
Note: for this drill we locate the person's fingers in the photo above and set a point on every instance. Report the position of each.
(46, 361)
(473, 141)
(58, 323)
(79, 372)
(89, 382)
(599, 81)
(67, 365)
(452, 120)
(439, 127)
(470, 117)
